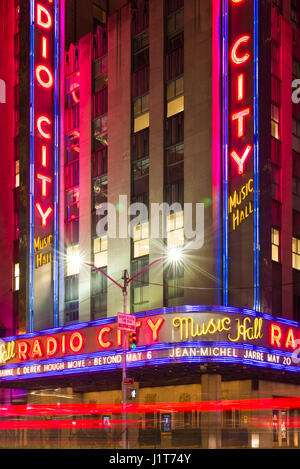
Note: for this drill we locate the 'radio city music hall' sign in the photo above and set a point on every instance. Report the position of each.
(169, 336)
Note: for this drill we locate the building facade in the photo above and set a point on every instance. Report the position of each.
(187, 104)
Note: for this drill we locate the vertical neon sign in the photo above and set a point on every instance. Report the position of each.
(43, 194)
(240, 152)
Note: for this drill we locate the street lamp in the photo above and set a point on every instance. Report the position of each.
(174, 255)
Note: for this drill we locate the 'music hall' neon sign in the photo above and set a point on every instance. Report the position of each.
(190, 334)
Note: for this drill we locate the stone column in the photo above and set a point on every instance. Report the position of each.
(211, 422)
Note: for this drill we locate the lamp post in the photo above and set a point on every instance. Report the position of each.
(174, 255)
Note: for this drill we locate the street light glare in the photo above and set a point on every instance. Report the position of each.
(175, 255)
(74, 260)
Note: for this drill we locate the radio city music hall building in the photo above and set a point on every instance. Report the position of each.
(161, 101)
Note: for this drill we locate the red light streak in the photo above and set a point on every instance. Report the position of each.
(201, 406)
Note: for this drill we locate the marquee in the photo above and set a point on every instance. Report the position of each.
(167, 336)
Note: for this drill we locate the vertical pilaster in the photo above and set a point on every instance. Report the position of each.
(119, 138)
(156, 143)
(211, 421)
(85, 175)
(287, 170)
(198, 144)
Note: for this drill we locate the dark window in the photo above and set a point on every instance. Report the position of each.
(140, 16)
(140, 81)
(276, 213)
(99, 43)
(72, 231)
(276, 151)
(100, 102)
(275, 58)
(173, 282)
(140, 176)
(140, 286)
(174, 164)
(174, 132)
(276, 183)
(72, 174)
(174, 64)
(99, 162)
(140, 144)
(173, 5)
(98, 294)
(73, 118)
(276, 90)
(71, 298)
(175, 193)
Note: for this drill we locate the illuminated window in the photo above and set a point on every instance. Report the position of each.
(275, 121)
(141, 113)
(175, 230)
(100, 251)
(141, 239)
(275, 245)
(296, 253)
(73, 260)
(17, 277)
(175, 97)
(17, 173)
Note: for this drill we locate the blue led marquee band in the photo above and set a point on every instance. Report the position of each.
(31, 172)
